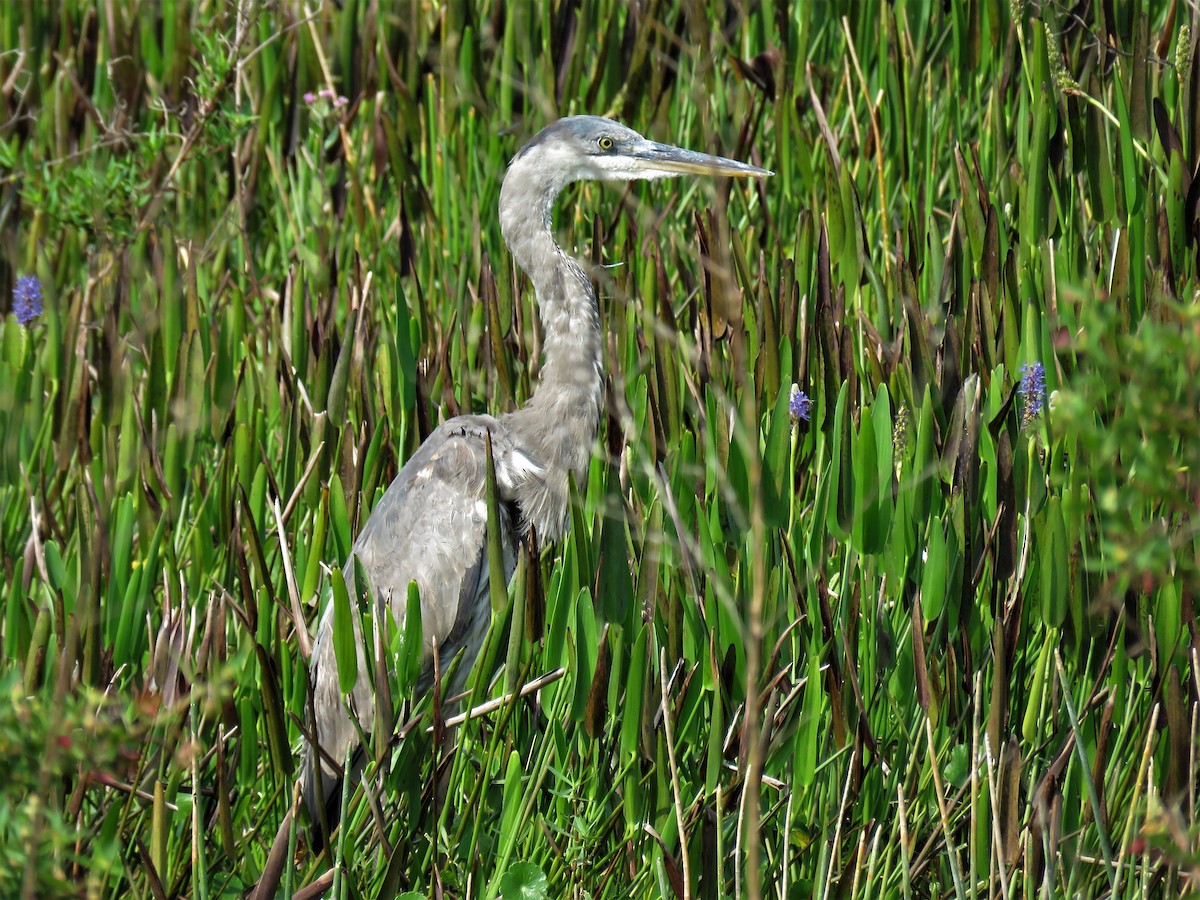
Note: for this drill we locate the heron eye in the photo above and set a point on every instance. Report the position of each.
(605, 143)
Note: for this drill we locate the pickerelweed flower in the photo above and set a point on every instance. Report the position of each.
(1032, 390)
(799, 405)
(27, 299)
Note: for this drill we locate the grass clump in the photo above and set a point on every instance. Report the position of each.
(934, 634)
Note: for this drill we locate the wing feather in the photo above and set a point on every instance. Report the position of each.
(430, 526)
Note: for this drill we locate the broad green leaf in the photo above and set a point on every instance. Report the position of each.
(616, 582)
(1031, 724)
(55, 568)
(339, 518)
(1036, 198)
(1130, 182)
(865, 526)
(852, 247)
(923, 476)
(631, 708)
(511, 806)
(840, 518)
(315, 547)
(1173, 201)
(973, 213)
(1101, 188)
(885, 471)
(344, 645)
(812, 709)
(1169, 628)
(837, 222)
(524, 881)
(776, 461)
(714, 730)
(934, 573)
(587, 645)
(1053, 563)
(412, 651)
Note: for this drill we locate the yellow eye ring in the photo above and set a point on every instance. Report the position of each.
(605, 143)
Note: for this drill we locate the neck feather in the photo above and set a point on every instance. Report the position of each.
(560, 421)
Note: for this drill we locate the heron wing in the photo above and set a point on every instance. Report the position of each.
(429, 527)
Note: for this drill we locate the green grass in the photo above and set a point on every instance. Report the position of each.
(927, 644)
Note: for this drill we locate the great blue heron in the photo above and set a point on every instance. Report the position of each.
(430, 526)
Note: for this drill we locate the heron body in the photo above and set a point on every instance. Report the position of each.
(430, 526)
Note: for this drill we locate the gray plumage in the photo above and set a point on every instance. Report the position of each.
(431, 524)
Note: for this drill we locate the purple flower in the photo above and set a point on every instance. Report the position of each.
(799, 405)
(1032, 391)
(27, 299)
(335, 100)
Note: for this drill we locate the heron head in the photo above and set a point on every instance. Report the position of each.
(594, 148)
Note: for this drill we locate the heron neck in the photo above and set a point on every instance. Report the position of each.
(568, 393)
(561, 418)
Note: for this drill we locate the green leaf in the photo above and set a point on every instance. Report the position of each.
(411, 653)
(814, 542)
(587, 644)
(777, 471)
(737, 470)
(1036, 199)
(836, 225)
(511, 807)
(616, 582)
(885, 466)
(973, 213)
(957, 768)
(1169, 627)
(851, 259)
(1174, 200)
(129, 448)
(55, 567)
(873, 476)
(524, 881)
(714, 727)
(344, 645)
(339, 518)
(581, 531)
(1099, 162)
(840, 516)
(934, 574)
(1130, 182)
(1053, 559)
(866, 536)
(315, 547)
(631, 708)
(1032, 719)
(812, 708)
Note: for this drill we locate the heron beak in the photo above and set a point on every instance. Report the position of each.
(664, 158)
